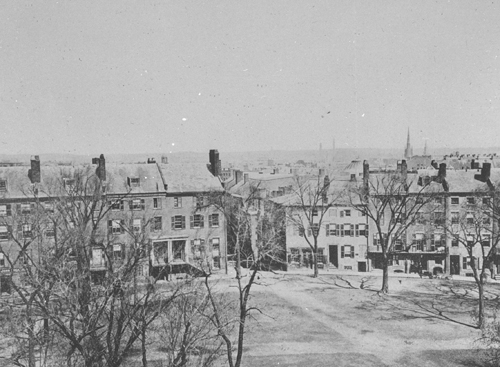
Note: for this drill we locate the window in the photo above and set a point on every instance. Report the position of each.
(98, 258)
(438, 218)
(115, 226)
(156, 203)
(5, 210)
(455, 217)
(215, 242)
(315, 229)
(136, 204)
(347, 251)
(3, 185)
(362, 230)
(362, 213)
(347, 230)
(418, 241)
(213, 220)
(198, 248)
(486, 201)
(455, 201)
(465, 262)
(50, 230)
(2, 260)
(486, 240)
(301, 231)
(136, 226)
(294, 255)
(197, 221)
(470, 218)
(315, 212)
(332, 229)
(177, 202)
(116, 205)
(157, 224)
(49, 207)
(178, 249)
(347, 213)
(438, 240)
(134, 181)
(24, 208)
(25, 230)
(471, 200)
(470, 240)
(117, 252)
(178, 222)
(454, 241)
(160, 252)
(4, 233)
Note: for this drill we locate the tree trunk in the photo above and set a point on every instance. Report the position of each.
(143, 347)
(480, 313)
(385, 274)
(315, 260)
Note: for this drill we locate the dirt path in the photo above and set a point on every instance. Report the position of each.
(335, 326)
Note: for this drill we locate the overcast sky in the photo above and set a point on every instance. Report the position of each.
(157, 76)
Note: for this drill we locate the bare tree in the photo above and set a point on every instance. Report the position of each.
(307, 207)
(474, 225)
(99, 317)
(261, 232)
(393, 202)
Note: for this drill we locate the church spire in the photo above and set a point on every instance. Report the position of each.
(409, 149)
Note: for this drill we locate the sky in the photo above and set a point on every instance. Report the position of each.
(88, 77)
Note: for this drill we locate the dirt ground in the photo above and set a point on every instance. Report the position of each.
(330, 321)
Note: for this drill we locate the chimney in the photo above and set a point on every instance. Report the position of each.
(442, 171)
(151, 160)
(472, 164)
(34, 173)
(215, 166)
(164, 159)
(366, 176)
(101, 169)
(404, 170)
(485, 175)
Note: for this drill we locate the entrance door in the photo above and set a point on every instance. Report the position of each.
(455, 264)
(361, 266)
(334, 255)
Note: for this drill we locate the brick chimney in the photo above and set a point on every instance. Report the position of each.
(101, 169)
(215, 165)
(485, 175)
(404, 170)
(366, 176)
(34, 173)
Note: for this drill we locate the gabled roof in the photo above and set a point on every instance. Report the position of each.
(186, 177)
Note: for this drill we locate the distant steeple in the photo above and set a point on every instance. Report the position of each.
(409, 149)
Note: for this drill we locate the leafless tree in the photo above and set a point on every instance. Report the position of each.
(474, 225)
(98, 318)
(393, 202)
(258, 226)
(307, 208)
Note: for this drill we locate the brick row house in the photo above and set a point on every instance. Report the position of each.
(157, 207)
(433, 242)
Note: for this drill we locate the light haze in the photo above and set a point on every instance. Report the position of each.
(143, 76)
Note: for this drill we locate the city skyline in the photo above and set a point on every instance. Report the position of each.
(150, 76)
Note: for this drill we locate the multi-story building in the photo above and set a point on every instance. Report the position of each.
(433, 242)
(162, 207)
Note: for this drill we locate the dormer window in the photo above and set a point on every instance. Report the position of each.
(133, 181)
(3, 185)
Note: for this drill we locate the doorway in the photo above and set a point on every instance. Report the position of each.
(333, 252)
(455, 264)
